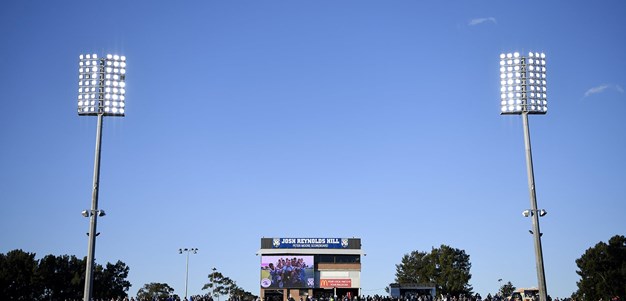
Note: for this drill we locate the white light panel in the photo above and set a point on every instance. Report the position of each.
(102, 85)
(88, 84)
(523, 83)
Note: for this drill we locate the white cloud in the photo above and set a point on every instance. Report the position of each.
(602, 88)
(596, 90)
(478, 21)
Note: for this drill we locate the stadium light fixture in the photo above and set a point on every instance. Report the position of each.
(522, 92)
(523, 83)
(188, 250)
(102, 85)
(101, 92)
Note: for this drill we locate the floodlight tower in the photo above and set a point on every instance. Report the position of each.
(523, 92)
(101, 92)
(180, 251)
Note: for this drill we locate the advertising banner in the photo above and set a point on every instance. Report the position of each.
(335, 282)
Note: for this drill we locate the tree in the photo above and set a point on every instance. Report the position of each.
(222, 285)
(415, 268)
(603, 270)
(218, 284)
(241, 294)
(61, 277)
(507, 289)
(22, 277)
(17, 276)
(110, 282)
(445, 268)
(159, 290)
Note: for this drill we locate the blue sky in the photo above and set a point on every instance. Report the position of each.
(370, 119)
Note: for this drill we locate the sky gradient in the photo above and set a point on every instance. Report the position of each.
(370, 119)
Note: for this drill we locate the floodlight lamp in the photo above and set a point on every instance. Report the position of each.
(526, 213)
(85, 213)
(101, 213)
(542, 212)
(100, 76)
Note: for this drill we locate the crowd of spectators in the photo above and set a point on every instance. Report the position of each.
(417, 297)
(408, 297)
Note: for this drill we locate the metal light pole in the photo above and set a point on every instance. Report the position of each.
(101, 92)
(523, 92)
(180, 251)
(541, 277)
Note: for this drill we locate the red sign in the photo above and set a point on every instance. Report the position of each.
(335, 282)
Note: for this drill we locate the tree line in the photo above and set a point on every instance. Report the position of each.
(22, 277)
(602, 269)
(217, 286)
